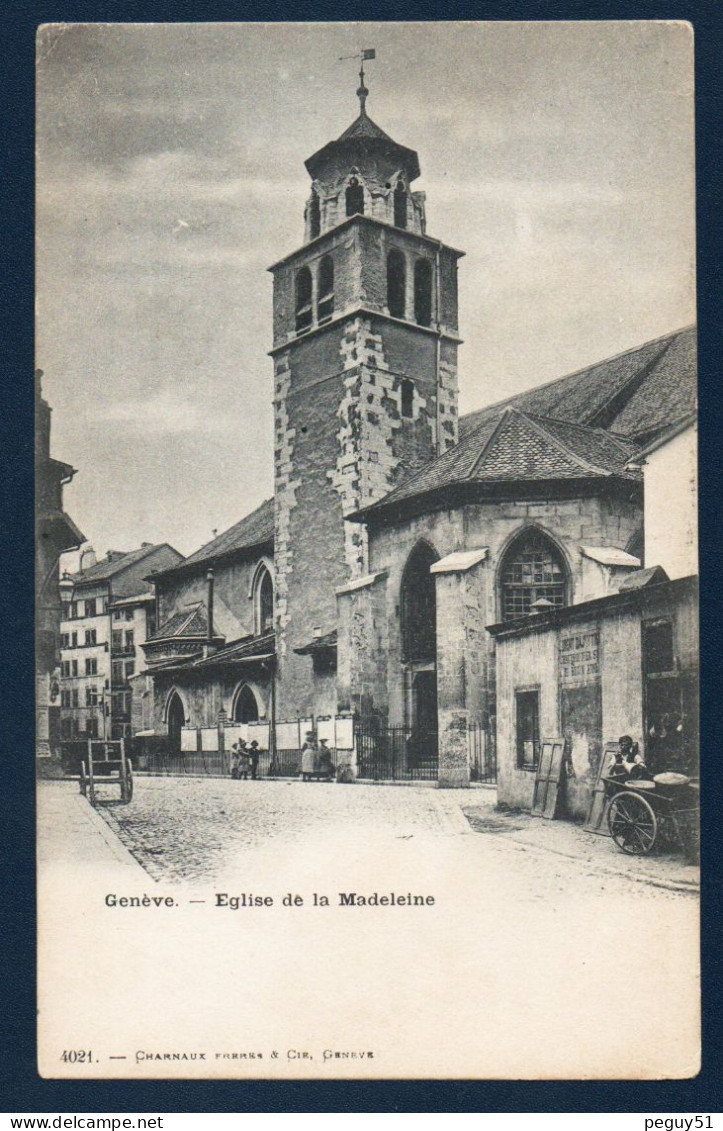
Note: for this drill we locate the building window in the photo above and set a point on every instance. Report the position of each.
(303, 300)
(418, 606)
(423, 292)
(527, 710)
(91, 667)
(91, 636)
(326, 289)
(65, 640)
(407, 397)
(74, 697)
(129, 614)
(658, 654)
(314, 216)
(130, 669)
(91, 696)
(129, 640)
(117, 640)
(354, 198)
(91, 728)
(117, 614)
(396, 283)
(263, 601)
(74, 640)
(90, 608)
(73, 610)
(400, 205)
(117, 672)
(65, 669)
(66, 728)
(533, 569)
(74, 667)
(65, 699)
(245, 708)
(66, 614)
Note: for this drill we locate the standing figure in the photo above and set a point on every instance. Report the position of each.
(308, 756)
(254, 759)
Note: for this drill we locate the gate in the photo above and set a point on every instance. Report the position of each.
(395, 753)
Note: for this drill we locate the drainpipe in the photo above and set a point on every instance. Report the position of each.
(438, 315)
(209, 607)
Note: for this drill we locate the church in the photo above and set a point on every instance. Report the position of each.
(358, 600)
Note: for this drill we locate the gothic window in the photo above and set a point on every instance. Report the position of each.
(303, 300)
(533, 568)
(314, 216)
(263, 602)
(407, 397)
(423, 292)
(175, 719)
(400, 205)
(418, 606)
(245, 708)
(326, 289)
(396, 283)
(354, 198)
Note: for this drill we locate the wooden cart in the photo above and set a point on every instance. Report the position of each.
(643, 814)
(106, 764)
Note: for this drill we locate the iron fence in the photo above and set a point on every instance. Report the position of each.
(386, 753)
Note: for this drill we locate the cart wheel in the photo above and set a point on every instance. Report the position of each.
(128, 785)
(632, 823)
(83, 780)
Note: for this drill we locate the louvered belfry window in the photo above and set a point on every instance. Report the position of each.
(533, 569)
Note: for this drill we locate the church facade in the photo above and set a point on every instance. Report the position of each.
(397, 532)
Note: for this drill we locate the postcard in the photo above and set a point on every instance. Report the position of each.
(366, 568)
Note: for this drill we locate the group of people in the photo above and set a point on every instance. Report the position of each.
(245, 760)
(316, 758)
(628, 763)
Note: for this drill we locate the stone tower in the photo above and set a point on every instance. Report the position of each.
(365, 380)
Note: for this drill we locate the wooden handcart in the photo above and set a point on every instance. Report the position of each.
(644, 814)
(106, 764)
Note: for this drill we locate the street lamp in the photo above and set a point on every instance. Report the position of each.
(66, 585)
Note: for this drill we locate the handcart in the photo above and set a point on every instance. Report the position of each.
(106, 763)
(662, 812)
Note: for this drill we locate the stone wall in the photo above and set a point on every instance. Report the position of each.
(233, 611)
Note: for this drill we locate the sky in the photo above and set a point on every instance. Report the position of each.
(170, 175)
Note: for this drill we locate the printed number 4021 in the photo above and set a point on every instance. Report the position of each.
(77, 1056)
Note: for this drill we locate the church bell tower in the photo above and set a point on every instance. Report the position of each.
(365, 382)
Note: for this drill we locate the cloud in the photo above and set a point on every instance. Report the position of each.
(168, 412)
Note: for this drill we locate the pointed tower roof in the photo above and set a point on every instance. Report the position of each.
(363, 138)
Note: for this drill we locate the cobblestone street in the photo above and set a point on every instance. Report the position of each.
(196, 829)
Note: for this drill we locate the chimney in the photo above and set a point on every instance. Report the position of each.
(209, 605)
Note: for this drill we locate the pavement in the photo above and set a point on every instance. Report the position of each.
(180, 829)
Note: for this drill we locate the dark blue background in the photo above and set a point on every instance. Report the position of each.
(20, 1088)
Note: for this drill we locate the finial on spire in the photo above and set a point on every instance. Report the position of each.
(362, 92)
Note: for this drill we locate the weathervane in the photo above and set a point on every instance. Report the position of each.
(362, 56)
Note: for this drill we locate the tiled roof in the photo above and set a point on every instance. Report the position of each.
(114, 562)
(256, 529)
(635, 393)
(318, 644)
(363, 126)
(191, 621)
(519, 447)
(250, 648)
(365, 130)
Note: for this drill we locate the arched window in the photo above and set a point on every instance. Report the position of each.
(263, 602)
(326, 289)
(533, 569)
(175, 719)
(396, 283)
(303, 300)
(407, 397)
(245, 708)
(354, 198)
(423, 292)
(418, 606)
(314, 216)
(400, 205)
